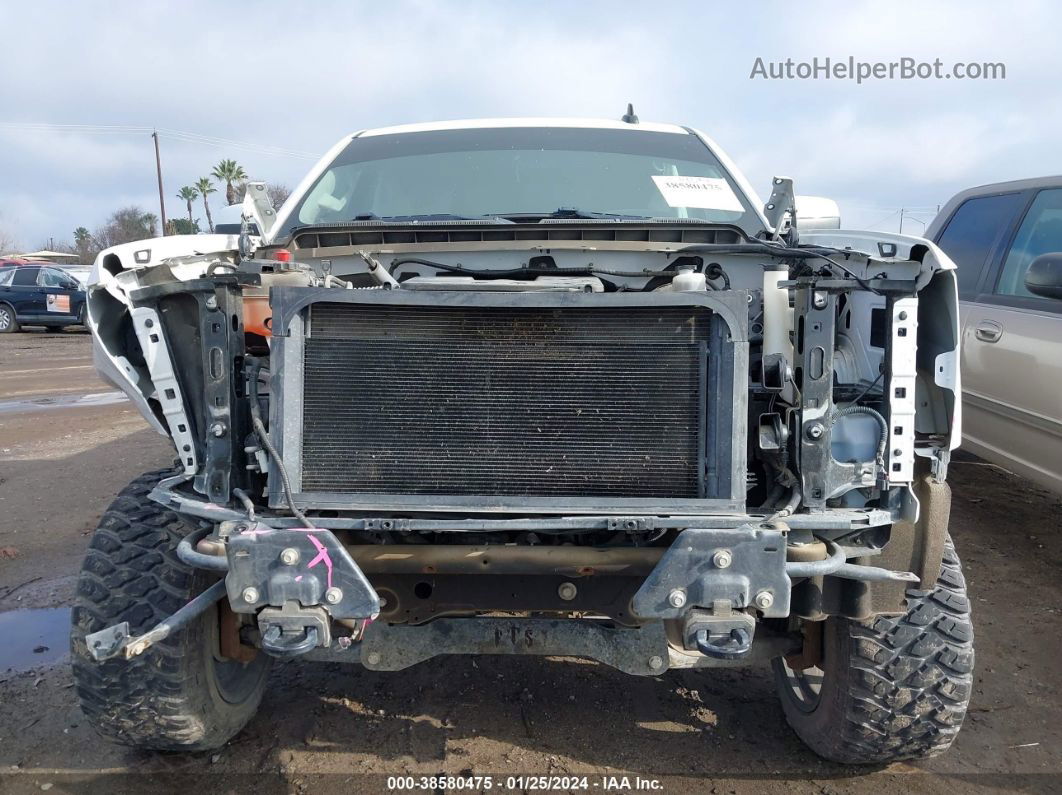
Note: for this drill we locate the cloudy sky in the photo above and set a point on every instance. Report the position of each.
(280, 82)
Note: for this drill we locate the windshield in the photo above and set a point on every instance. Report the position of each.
(516, 171)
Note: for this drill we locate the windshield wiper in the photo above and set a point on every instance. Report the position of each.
(421, 217)
(563, 213)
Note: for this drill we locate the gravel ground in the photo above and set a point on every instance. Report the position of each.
(326, 727)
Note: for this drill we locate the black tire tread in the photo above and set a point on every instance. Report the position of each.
(908, 680)
(160, 699)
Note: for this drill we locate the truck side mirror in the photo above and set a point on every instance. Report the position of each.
(817, 212)
(1044, 277)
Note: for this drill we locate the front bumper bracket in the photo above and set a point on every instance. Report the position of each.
(712, 568)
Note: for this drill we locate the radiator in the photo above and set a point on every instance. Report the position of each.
(579, 401)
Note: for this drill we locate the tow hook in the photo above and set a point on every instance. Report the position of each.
(296, 581)
(721, 633)
(293, 630)
(733, 646)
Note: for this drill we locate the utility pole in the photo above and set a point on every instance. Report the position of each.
(901, 209)
(158, 170)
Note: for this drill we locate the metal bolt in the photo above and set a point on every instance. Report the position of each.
(383, 601)
(212, 302)
(218, 429)
(567, 591)
(290, 556)
(138, 649)
(250, 595)
(764, 599)
(373, 658)
(819, 300)
(656, 663)
(722, 559)
(815, 430)
(677, 598)
(333, 596)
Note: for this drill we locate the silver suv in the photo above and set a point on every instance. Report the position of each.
(1006, 239)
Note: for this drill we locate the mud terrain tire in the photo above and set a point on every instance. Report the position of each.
(894, 687)
(178, 695)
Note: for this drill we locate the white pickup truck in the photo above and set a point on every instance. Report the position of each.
(533, 386)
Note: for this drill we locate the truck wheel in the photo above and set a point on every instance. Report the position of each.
(890, 688)
(180, 694)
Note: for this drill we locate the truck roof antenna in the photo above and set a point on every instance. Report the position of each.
(629, 116)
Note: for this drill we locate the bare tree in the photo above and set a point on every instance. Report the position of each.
(278, 194)
(125, 226)
(7, 241)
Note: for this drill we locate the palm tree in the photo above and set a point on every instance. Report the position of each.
(189, 194)
(205, 186)
(228, 171)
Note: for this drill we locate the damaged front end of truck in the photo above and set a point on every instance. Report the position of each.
(652, 444)
(365, 414)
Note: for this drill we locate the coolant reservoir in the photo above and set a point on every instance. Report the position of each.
(257, 314)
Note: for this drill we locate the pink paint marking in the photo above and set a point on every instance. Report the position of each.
(299, 578)
(322, 556)
(253, 532)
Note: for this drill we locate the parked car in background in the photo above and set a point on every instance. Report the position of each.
(39, 294)
(1006, 239)
(79, 272)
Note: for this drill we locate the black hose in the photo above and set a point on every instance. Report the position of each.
(883, 439)
(715, 271)
(254, 366)
(867, 389)
(190, 556)
(246, 502)
(588, 270)
(263, 436)
(775, 494)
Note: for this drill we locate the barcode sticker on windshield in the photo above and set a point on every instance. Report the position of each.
(705, 193)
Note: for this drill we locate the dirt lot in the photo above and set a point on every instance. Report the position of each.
(337, 728)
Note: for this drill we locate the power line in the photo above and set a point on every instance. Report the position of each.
(179, 135)
(883, 220)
